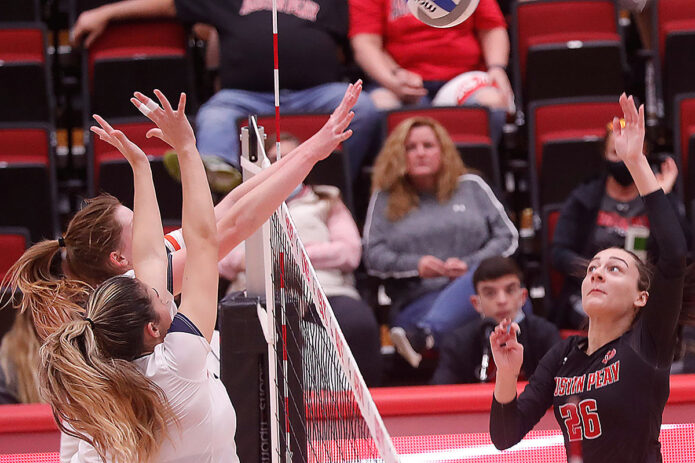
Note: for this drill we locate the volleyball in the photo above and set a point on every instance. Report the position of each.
(442, 13)
(460, 88)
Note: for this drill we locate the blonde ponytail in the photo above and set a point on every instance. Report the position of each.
(95, 388)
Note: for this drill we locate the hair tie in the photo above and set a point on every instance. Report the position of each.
(61, 242)
(91, 322)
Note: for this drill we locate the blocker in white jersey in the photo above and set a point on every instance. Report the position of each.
(197, 397)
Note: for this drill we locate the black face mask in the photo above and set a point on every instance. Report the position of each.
(619, 171)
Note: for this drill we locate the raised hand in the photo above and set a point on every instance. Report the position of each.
(629, 140)
(173, 126)
(506, 350)
(335, 130)
(118, 140)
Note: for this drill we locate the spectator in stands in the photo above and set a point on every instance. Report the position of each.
(311, 34)
(332, 242)
(599, 214)
(429, 223)
(19, 362)
(465, 355)
(410, 61)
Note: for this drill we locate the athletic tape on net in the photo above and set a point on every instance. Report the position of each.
(363, 398)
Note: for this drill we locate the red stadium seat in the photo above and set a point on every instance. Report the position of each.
(673, 44)
(13, 242)
(27, 179)
(565, 144)
(24, 74)
(110, 172)
(562, 45)
(136, 55)
(469, 128)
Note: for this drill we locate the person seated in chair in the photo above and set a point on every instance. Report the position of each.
(465, 356)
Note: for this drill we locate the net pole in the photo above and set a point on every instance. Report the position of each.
(259, 277)
(278, 155)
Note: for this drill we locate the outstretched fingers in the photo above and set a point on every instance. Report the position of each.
(163, 101)
(102, 122)
(148, 107)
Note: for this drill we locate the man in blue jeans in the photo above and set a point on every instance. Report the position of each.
(310, 33)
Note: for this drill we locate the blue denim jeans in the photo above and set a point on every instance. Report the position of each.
(217, 134)
(444, 310)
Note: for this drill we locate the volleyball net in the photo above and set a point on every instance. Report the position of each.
(321, 409)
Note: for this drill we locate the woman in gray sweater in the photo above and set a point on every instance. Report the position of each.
(428, 225)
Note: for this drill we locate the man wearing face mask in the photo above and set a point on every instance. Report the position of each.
(606, 212)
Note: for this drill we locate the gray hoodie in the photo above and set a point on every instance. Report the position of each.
(471, 226)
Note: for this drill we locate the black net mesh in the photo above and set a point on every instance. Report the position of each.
(318, 413)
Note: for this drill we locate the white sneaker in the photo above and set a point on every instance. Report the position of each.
(402, 344)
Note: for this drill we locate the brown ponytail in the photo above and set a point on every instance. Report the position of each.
(51, 300)
(92, 235)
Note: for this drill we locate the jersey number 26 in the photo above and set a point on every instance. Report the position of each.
(581, 420)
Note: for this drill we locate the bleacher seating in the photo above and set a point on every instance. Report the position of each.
(566, 48)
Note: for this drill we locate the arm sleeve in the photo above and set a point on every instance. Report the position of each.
(509, 423)
(367, 17)
(566, 242)
(504, 238)
(344, 248)
(380, 259)
(488, 16)
(660, 316)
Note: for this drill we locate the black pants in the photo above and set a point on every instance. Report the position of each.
(361, 331)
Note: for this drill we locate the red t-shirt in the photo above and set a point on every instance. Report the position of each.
(435, 54)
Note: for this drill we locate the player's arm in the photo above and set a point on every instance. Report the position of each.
(91, 23)
(149, 256)
(660, 317)
(511, 417)
(200, 278)
(253, 208)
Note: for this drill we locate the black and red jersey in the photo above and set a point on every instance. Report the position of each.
(609, 404)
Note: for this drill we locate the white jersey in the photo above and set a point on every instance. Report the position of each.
(207, 420)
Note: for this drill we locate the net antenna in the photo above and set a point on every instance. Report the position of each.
(320, 407)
